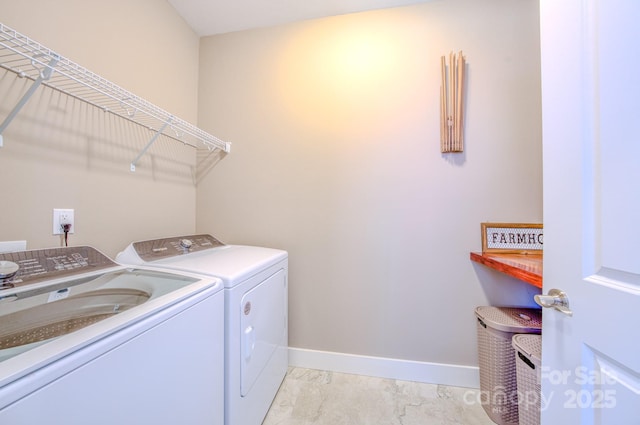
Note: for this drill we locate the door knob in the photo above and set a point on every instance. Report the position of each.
(555, 299)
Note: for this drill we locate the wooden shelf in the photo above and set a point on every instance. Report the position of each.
(526, 267)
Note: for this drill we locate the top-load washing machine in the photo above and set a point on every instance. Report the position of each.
(256, 312)
(84, 340)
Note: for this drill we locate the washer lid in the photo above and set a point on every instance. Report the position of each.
(45, 322)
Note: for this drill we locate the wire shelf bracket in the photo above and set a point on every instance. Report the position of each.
(44, 75)
(29, 59)
(151, 142)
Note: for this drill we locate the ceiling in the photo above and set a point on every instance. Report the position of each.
(208, 17)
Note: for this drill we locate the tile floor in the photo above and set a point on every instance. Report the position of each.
(314, 397)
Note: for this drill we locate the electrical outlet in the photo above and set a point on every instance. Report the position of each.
(61, 217)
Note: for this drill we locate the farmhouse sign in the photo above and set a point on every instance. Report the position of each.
(519, 238)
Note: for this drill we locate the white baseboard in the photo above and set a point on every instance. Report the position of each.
(406, 370)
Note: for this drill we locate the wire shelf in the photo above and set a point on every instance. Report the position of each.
(29, 59)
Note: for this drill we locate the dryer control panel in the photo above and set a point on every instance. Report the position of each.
(170, 247)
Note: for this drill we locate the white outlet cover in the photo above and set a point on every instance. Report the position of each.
(63, 212)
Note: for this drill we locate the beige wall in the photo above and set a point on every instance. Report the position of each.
(60, 153)
(335, 158)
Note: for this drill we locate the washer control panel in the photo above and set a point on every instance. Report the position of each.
(171, 247)
(44, 264)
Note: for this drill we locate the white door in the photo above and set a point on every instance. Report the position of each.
(591, 142)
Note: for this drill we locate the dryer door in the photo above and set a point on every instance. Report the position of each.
(263, 324)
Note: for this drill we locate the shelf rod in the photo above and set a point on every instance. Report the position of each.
(44, 76)
(151, 142)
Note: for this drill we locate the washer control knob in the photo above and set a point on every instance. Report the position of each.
(8, 269)
(186, 244)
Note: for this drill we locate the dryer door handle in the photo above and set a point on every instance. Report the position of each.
(249, 336)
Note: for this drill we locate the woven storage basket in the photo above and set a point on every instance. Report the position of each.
(528, 357)
(496, 327)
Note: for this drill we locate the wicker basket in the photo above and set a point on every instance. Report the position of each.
(528, 357)
(498, 383)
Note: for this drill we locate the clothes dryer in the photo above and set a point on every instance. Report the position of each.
(256, 312)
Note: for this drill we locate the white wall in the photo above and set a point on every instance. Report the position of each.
(61, 153)
(335, 131)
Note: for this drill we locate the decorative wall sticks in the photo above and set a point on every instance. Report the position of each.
(452, 103)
